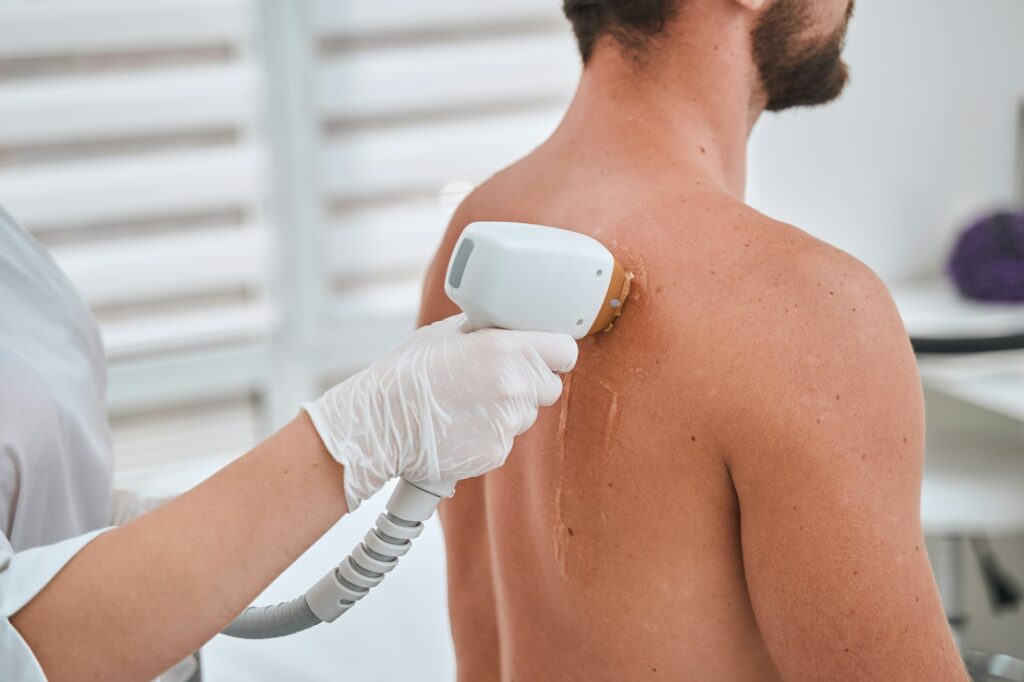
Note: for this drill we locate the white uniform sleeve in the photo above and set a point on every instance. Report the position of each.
(22, 576)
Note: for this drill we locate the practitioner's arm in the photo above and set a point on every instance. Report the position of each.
(139, 598)
(444, 405)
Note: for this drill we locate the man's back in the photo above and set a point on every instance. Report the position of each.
(728, 487)
(608, 546)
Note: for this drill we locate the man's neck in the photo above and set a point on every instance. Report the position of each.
(691, 111)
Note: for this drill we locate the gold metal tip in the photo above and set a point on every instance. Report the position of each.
(614, 300)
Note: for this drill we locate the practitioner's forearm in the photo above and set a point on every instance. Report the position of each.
(141, 597)
(444, 404)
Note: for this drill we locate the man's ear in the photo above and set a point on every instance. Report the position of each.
(752, 5)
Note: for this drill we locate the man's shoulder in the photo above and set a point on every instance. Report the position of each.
(748, 273)
(815, 292)
(748, 277)
(807, 330)
(772, 271)
(771, 306)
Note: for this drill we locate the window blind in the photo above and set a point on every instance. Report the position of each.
(247, 192)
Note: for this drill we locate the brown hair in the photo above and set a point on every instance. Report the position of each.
(630, 22)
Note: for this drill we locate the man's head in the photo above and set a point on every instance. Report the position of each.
(796, 45)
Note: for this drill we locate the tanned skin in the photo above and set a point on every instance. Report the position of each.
(729, 486)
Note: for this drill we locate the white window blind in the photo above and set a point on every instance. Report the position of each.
(129, 146)
(248, 191)
(416, 104)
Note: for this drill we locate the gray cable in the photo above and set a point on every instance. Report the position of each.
(279, 620)
(373, 558)
(287, 618)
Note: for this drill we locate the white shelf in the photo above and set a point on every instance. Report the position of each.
(932, 308)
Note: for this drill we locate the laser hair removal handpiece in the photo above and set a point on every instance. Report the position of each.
(507, 275)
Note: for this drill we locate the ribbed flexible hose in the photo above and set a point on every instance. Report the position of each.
(263, 622)
(371, 560)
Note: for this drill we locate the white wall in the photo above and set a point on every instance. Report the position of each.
(921, 141)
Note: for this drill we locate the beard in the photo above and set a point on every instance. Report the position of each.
(797, 71)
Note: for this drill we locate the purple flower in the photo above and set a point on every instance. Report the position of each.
(988, 260)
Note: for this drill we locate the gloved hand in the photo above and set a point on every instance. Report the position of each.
(445, 404)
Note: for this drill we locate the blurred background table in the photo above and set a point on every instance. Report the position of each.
(973, 483)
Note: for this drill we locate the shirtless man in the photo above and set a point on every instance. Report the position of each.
(728, 488)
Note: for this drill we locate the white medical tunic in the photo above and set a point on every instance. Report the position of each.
(56, 460)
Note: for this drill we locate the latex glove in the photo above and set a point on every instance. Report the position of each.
(443, 405)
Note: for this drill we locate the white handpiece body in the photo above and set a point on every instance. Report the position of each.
(507, 275)
(529, 277)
